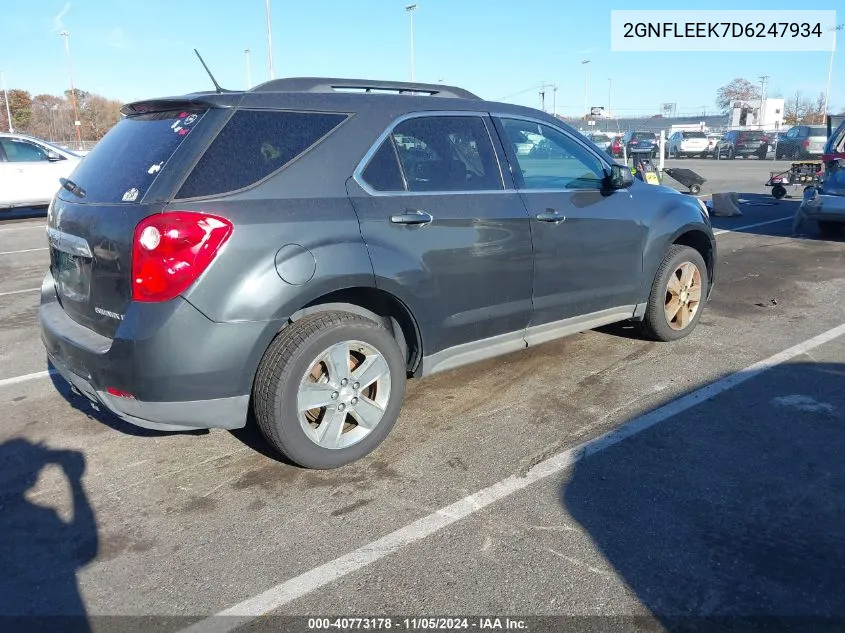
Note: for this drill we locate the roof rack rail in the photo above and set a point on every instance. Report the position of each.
(326, 84)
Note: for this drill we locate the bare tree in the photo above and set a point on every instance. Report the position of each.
(51, 116)
(737, 90)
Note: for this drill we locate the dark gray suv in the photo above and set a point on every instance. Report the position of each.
(298, 250)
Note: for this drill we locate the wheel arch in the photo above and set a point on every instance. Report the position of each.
(699, 240)
(379, 306)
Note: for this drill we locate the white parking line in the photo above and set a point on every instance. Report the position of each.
(751, 226)
(288, 591)
(23, 227)
(26, 250)
(18, 292)
(26, 377)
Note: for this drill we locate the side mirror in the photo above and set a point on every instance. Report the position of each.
(620, 177)
(54, 157)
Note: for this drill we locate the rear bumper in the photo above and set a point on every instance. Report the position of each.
(224, 413)
(184, 371)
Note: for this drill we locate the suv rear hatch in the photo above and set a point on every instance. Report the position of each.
(694, 142)
(129, 175)
(643, 141)
(750, 141)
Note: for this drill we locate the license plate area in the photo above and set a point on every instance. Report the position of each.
(72, 274)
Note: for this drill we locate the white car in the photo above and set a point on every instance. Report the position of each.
(687, 144)
(30, 169)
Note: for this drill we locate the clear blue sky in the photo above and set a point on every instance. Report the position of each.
(131, 49)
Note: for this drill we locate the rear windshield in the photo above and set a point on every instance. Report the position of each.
(752, 136)
(123, 166)
(818, 131)
(694, 135)
(643, 135)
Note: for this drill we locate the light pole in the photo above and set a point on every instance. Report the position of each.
(830, 70)
(248, 68)
(609, 94)
(77, 124)
(6, 100)
(763, 80)
(269, 42)
(410, 9)
(585, 63)
(554, 101)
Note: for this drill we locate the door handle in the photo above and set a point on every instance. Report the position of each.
(412, 216)
(551, 215)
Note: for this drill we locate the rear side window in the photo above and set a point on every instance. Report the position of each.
(22, 151)
(253, 145)
(447, 153)
(126, 162)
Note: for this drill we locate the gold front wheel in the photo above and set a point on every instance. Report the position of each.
(683, 296)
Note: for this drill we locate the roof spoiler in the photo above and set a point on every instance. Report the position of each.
(206, 100)
(327, 84)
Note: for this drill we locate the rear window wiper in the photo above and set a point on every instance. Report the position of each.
(71, 186)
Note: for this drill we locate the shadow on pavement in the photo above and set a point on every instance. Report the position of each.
(106, 417)
(729, 516)
(40, 552)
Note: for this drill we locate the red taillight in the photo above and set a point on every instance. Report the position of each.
(806, 143)
(171, 250)
(119, 393)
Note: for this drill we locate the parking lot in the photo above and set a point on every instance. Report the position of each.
(599, 477)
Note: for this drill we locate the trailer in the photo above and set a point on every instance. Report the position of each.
(687, 177)
(805, 174)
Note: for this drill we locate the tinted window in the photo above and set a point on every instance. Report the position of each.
(818, 131)
(447, 153)
(694, 135)
(123, 166)
(644, 135)
(22, 152)
(254, 144)
(556, 161)
(382, 172)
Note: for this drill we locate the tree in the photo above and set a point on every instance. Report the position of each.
(793, 109)
(51, 116)
(800, 110)
(20, 105)
(737, 90)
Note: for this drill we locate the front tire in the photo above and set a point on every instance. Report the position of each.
(329, 389)
(677, 295)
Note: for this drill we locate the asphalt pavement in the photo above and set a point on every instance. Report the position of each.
(607, 481)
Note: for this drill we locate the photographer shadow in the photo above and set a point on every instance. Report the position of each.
(40, 553)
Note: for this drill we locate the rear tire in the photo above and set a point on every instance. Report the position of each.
(305, 363)
(681, 281)
(778, 191)
(830, 229)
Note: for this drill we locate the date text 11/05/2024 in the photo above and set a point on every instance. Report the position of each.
(721, 29)
(417, 624)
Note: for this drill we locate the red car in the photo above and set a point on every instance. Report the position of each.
(835, 146)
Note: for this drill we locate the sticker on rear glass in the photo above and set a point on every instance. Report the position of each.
(131, 195)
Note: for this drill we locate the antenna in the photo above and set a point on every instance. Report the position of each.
(213, 80)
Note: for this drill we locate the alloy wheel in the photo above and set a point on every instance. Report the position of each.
(683, 296)
(344, 394)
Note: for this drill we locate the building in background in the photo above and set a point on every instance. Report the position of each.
(767, 115)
